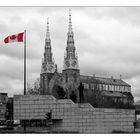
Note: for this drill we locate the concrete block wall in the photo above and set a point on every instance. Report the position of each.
(80, 118)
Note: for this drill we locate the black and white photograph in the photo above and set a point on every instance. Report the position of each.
(70, 70)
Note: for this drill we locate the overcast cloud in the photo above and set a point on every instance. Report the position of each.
(107, 41)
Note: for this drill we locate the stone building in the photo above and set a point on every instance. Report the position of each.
(3, 98)
(96, 89)
(3, 101)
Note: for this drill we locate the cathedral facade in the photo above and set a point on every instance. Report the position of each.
(68, 81)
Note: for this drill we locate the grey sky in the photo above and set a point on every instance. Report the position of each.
(107, 41)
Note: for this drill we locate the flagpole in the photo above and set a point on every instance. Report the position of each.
(24, 62)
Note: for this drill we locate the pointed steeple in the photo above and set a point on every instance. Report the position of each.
(47, 32)
(71, 72)
(47, 40)
(70, 59)
(48, 64)
(70, 38)
(70, 23)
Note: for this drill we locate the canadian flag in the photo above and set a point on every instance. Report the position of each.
(14, 38)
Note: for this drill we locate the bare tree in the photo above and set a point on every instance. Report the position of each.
(33, 88)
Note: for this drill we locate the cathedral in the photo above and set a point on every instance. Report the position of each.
(98, 91)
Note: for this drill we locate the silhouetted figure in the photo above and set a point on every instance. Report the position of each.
(61, 93)
(48, 115)
(73, 97)
(81, 94)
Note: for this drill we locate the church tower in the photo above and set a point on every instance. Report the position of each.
(71, 72)
(48, 64)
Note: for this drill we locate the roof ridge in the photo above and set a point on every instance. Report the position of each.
(101, 77)
(114, 81)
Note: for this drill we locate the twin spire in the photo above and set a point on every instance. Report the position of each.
(69, 26)
(48, 55)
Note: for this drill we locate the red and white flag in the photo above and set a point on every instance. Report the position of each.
(14, 38)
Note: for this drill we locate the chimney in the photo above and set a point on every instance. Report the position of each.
(93, 75)
(120, 77)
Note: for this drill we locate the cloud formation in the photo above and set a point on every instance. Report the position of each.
(106, 39)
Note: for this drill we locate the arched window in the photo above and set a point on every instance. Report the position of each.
(66, 77)
(75, 77)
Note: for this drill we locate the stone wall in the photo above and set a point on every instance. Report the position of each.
(70, 117)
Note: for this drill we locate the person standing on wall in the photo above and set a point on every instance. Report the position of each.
(81, 94)
(73, 97)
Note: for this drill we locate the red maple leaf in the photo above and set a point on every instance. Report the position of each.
(13, 37)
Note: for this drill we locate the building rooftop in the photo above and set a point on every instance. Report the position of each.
(102, 80)
(1, 93)
(109, 81)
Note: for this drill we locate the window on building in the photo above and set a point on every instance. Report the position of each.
(121, 88)
(124, 88)
(116, 88)
(106, 87)
(110, 88)
(113, 87)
